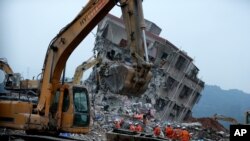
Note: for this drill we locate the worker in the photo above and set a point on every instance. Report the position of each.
(169, 131)
(177, 133)
(131, 126)
(117, 124)
(145, 119)
(138, 127)
(138, 116)
(185, 136)
(157, 130)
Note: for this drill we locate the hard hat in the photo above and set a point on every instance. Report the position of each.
(168, 123)
(183, 127)
(136, 123)
(178, 126)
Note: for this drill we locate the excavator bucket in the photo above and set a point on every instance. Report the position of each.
(123, 79)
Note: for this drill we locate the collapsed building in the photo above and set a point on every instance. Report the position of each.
(174, 88)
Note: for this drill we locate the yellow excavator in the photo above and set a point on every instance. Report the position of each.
(4, 66)
(10, 79)
(13, 81)
(79, 72)
(64, 107)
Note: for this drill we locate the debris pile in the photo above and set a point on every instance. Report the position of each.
(209, 123)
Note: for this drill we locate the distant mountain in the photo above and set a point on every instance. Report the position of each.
(233, 103)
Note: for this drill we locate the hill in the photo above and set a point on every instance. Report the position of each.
(232, 103)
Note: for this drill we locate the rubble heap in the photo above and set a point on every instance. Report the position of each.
(209, 123)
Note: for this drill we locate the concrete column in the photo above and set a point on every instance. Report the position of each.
(191, 98)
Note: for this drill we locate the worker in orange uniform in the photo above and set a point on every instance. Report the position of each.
(169, 131)
(157, 130)
(117, 124)
(177, 133)
(138, 127)
(131, 126)
(138, 116)
(185, 136)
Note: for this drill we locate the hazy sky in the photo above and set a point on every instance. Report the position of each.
(216, 33)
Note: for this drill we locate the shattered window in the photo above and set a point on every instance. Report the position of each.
(180, 63)
(164, 56)
(185, 92)
(176, 110)
(161, 104)
(170, 83)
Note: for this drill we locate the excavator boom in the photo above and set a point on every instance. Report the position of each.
(82, 68)
(4, 66)
(64, 44)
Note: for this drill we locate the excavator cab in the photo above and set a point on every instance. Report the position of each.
(12, 81)
(70, 109)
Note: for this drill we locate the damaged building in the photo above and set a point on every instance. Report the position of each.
(174, 88)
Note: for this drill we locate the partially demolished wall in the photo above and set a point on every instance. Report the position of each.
(174, 88)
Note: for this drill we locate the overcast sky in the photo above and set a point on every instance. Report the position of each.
(216, 33)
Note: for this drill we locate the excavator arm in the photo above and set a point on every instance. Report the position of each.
(4, 66)
(65, 107)
(131, 79)
(64, 44)
(82, 68)
(136, 77)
